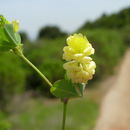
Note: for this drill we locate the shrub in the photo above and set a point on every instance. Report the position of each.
(12, 77)
(51, 32)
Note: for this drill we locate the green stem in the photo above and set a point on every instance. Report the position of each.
(37, 70)
(18, 51)
(65, 102)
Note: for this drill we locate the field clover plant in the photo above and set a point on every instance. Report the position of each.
(79, 65)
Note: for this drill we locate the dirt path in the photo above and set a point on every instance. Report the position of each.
(115, 109)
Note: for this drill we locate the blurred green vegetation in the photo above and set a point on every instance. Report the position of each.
(12, 78)
(24, 37)
(47, 56)
(47, 115)
(5, 124)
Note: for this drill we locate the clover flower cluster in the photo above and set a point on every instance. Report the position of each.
(79, 66)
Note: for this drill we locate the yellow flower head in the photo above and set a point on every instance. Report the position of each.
(78, 47)
(80, 67)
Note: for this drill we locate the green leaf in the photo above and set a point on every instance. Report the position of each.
(13, 36)
(80, 88)
(10, 33)
(5, 44)
(18, 38)
(64, 89)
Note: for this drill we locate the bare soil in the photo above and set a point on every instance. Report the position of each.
(115, 107)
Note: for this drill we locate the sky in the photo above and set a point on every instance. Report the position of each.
(69, 15)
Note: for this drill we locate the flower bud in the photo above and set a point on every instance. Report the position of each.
(16, 25)
(9, 38)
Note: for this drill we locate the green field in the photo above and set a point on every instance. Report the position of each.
(46, 114)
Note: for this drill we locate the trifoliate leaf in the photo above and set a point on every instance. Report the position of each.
(64, 89)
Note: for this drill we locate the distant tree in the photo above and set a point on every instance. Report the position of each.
(117, 20)
(24, 37)
(51, 32)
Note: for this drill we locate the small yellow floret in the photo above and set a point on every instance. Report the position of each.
(16, 25)
(78, 47)
(80, 72)
(78, 42)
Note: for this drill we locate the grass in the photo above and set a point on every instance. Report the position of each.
(36, 114)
